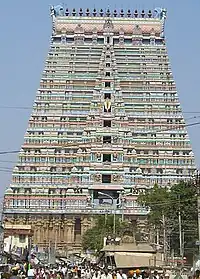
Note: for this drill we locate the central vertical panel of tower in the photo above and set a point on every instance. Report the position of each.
(106, 125)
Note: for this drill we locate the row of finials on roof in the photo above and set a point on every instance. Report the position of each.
(109, 13)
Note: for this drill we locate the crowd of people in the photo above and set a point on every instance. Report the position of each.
(76, 272)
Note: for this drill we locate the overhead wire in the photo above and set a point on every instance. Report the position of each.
(15, 107)
(8, 161)
(172, 202)
(192, 117)
(85, 143)
(31, 107)
(6, 171)
(9, 152)
(6, 168)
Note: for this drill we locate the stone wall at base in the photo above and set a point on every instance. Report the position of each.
(64, 232)
(61, 231)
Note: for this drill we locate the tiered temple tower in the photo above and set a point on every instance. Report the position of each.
(106, 124)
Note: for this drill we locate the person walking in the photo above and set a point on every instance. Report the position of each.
(106, 275)
(96, 275)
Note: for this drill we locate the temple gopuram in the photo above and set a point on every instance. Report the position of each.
(106, 125)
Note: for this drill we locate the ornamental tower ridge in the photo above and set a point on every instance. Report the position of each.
(106, 124)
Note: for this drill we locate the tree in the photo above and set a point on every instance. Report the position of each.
(157, 199)
(93, 238)
(181, 198)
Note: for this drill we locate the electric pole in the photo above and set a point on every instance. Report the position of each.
(198, 210)
(164, 239)
(198, 204)
(180, 233)
(180, 228)
(183, 245)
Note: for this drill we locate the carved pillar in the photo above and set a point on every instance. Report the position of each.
(62, 230)
(65, 230)
(56, 233)
(50, 230)
(85, 225)
(70, 230)
(38, 229)
(42, 232)
(73, 229)
(69, 233)
(54, 230)
(59, 232)
(45, 231)
(35, 235)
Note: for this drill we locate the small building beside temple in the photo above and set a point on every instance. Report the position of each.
(17, 238)
(130, 255)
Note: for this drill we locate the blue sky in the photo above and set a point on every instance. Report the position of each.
(25, 33)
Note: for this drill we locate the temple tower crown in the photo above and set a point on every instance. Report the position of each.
(146, 20)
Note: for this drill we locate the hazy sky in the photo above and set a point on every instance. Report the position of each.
(25, 33)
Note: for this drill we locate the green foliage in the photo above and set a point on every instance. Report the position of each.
(184, 199)
(162, 201)
(158, 200)
(93, 238)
